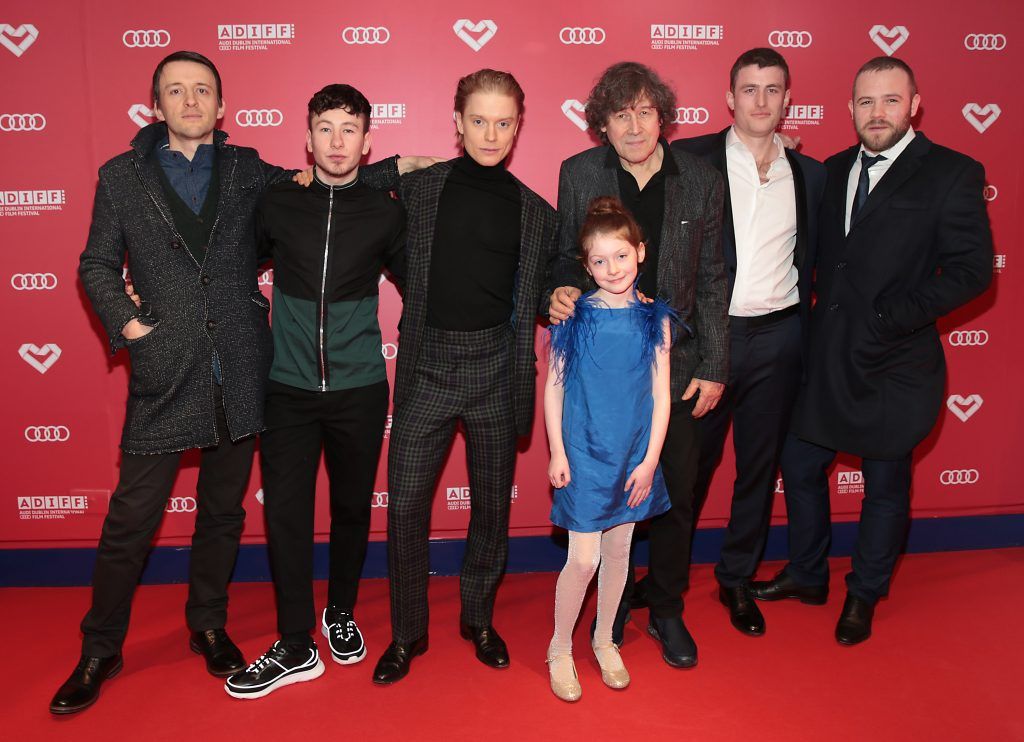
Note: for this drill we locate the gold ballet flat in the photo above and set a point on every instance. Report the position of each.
(613, 672)
(564, 682)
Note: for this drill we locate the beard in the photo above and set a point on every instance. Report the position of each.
(881, 141)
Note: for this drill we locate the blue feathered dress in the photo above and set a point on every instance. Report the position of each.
(606, 356)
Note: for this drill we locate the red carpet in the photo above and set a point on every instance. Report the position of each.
(943, 664)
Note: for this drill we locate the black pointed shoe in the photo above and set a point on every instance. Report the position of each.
(223, 658)
(82, 688)
(854, 624)
(393, 665)
(622, 617)
(678, 648)
(783, 586)
(743, 612)
(490, 647)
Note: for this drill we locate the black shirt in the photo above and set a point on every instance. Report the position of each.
(475, 255)
(648, 207)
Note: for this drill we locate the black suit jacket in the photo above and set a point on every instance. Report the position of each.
(420, 192)
(920, 247)
(690, 273)
(808, 186)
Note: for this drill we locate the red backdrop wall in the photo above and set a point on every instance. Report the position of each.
(74, 89)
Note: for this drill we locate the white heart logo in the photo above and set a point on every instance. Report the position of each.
(141, 115)
(574, 111)
(964, 407)
(26, 32)
(486, 30)
(988, 113)
(889, 39)
(40, 358)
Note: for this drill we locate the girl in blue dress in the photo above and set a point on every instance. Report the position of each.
(606, 408)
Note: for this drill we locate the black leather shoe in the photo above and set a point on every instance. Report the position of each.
(490, 647)
(855, 621)
(743, 612)
(638, 598)
(622, 617)
(223, 658)
(782, 586)
(393, 665)
(81, 690)
(677, 646)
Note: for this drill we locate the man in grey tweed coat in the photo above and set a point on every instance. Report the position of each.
(677, 199)
(180, 205)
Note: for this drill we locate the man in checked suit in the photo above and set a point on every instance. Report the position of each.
(905, 239)
(769, 234)
(677, 199)
(479, 244)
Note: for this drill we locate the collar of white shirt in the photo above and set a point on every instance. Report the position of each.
(732, 139)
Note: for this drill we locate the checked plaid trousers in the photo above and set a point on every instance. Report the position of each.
(463, 376)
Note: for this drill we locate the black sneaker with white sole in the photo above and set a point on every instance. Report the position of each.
(281, 665)
(347, 645)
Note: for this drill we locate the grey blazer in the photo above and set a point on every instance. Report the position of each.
(194, 308)
(691, 274)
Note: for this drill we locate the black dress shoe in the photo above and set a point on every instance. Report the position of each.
(855, 621)
(743, 612)
(81, 690)
(622, 617)
(223, 658)
(677, 646)
(783, 586)
(393, 665)
(490, 647)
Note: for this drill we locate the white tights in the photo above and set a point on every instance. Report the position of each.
(610, 550)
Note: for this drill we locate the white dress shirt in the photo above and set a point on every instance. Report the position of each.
(764, 222)
(876, 171)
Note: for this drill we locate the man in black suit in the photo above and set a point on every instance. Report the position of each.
(677, 199)
(905, 239)
(769, 234)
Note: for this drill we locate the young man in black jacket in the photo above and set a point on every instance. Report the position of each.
(328, 389)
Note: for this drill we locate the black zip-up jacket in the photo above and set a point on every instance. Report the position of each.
(329, 245)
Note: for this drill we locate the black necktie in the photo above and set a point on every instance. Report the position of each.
(863, 184)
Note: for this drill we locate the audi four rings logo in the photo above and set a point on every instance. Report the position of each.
(691, 116)
(968, 337)
(33, 281)
(259, 117)
(181, 505)
(147, 38)
(959, 476)
(47, 433)
(22, 122)
(581, 35)
(985, 42)
(798, 39)
(366, 35)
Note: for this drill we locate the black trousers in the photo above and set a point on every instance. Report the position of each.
(671, 533)
(459, 376)
(884, 518)
(136, 510)
(348, 426)
(764, 376)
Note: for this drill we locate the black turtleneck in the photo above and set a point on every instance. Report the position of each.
(475, 256)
